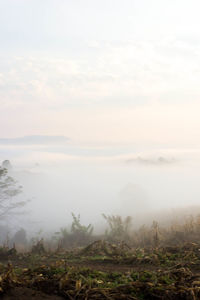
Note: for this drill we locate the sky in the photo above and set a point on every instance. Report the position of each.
(101, 72)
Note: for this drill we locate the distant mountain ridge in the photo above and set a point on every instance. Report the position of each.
(35, 140)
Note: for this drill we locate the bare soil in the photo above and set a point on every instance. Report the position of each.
(23, 293)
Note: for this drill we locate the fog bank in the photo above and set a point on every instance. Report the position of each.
(60, 179)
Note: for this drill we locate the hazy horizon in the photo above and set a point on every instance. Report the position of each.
(100, 105)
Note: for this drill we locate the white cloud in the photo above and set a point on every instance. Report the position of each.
(120, 72)
(137, 91)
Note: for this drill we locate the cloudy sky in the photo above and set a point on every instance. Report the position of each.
(107, 72)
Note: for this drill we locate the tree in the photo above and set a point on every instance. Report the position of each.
(9, 190)
(79, 235)
(119, 229)
(79, 229)
(20, 237)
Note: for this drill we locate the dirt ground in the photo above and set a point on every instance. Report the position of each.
(23, 293)
(170, 273)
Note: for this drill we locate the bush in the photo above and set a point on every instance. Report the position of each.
(119, 229)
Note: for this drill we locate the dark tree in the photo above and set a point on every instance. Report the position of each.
(9, 190)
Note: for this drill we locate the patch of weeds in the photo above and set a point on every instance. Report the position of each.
(33, 260)
(135, 275)
(98, 258)
(147, 276)
(166, 279)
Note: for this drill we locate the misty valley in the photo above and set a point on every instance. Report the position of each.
(64, 242)
(99, 150)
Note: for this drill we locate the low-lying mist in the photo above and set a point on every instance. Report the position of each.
(91, 181)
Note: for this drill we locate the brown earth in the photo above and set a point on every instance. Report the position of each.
(23, 293)
(109, 267)
(171, 277)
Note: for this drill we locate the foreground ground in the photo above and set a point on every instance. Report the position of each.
(102, 271)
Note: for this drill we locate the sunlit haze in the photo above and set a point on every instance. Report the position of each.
(99, 106)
